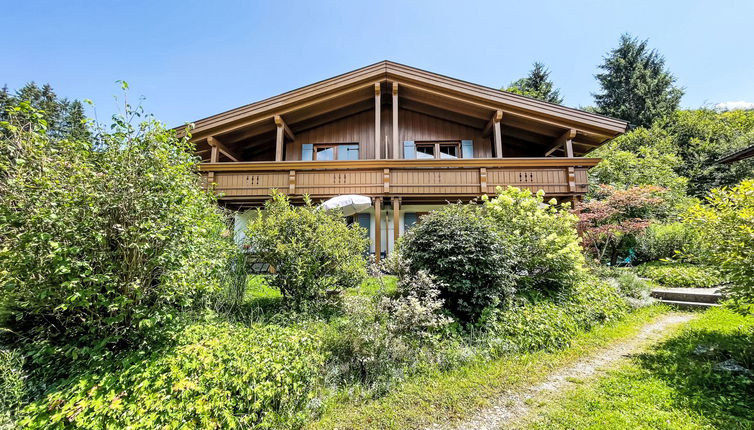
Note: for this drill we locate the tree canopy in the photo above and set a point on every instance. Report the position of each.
(635, 84)
(64, 118)
(537, 84)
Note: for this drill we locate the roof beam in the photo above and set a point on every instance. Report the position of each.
(565, 141)
(213, 142)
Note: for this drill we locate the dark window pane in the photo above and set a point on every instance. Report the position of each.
(448, 151)
(425, 151)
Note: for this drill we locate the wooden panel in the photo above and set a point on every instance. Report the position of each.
(435, 181)
(339, 182)
(549, 180)
(251, 184)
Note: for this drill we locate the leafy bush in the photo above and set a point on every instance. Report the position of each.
(633, 288)
(614, 217)
(12, 379)
(726, 226)
(543, 237)
(681, 275)
(380, 339)
(662, 241)
(313, 251)
(552, 324)
(218, 376)
(458, 246)
(103, 240)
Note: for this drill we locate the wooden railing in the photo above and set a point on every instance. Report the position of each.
(242, 180)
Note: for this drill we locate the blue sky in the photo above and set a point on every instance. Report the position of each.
(191, 59)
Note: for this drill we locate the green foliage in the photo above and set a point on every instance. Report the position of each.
(12, 390)
(646, 165)
(552, 324)
(664, 241)
(681, 275)
(635, 85)
(689, 142)
(102, 241)
(726, 227)
(543, 237)
(458, 246)
(64, 118)
(537, 85)
(380, 339)
(633, 288)
(217, 376)
(313, 251)
(702, 136)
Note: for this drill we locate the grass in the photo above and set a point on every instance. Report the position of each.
(453, 395)
(671, 386)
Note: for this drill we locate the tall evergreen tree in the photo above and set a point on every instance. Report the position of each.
(636, 86)
(65, 118)
(537, 84)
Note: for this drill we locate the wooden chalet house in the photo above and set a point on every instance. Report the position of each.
(410, 139)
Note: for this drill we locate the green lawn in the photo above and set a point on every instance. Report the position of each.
(457, 394)
(671, 386)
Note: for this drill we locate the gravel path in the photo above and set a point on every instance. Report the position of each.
(514, 405)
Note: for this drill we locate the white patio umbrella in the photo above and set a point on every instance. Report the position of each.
(350, 204)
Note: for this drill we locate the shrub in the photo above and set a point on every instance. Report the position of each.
(726, 226)
(634, 289)
(681, 275)
(12, 379)
(103, 240)
(543, 237)
(313, 251)
(380, 339)
(458, 246)
(551, 324)
(614, 217)
(661, 241)
(218, 376)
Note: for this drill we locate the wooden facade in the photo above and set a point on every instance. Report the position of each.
(402, 136)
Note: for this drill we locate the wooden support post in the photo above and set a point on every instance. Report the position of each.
(396, 146)
(483, 180)
(218, 146)
(282, 131)
(292, 182)
(386, 180)
(493, 126)
(214, 155)
(377, 228)
(498, 141)
(377, 125)
(396, 220)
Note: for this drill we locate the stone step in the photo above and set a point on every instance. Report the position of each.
(688, 295)
(688, 305)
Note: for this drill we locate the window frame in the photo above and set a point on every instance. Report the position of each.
(436, 150)
(337, 148)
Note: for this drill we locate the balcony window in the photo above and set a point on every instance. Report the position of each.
(329, 152)
(443, 150)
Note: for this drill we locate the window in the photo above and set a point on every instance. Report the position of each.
(444, 150)
(329, 152)
(425, 150)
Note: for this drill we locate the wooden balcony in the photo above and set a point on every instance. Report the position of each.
(422, 179)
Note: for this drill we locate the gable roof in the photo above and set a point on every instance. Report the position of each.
(438, 90)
